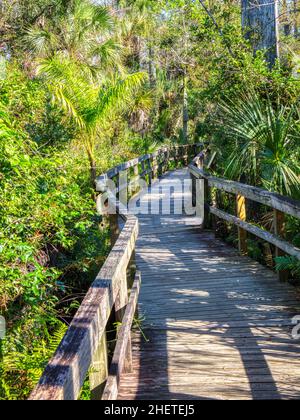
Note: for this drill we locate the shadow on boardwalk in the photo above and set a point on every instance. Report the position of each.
(219, 325)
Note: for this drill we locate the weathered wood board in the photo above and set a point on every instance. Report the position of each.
(219, 324)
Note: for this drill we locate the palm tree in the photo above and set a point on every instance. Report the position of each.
(80, 57)
(86, 101)
(84, 33)
(265, 143)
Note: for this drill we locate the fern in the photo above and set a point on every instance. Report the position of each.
(21, 371)
(288, 263)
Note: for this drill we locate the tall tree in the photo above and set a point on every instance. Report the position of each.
(261, 26)
(88, 104)
(296, 17)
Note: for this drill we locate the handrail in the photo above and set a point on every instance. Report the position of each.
(122, 359)
(154, 160)
(64, 375)
(280, 204)
(84, 344)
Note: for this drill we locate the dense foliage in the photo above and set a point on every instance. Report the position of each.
(85, 85)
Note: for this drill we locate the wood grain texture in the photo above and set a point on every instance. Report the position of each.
(218, 325)
(124, 338)
(242, 214)
(85, 343)
(160, 155)
(66, 371)
(285, 204)
(279, 230)
(260, 233)
(260, 21)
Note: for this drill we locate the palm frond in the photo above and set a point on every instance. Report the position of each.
(114, 96)
(108, 54)
(288, 263)
(262, 138)
(41, 41)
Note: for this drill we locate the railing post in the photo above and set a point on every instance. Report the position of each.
(166, 161)
(207, 218)
(206, 194)
(114, 228)
(186, 156)
(99, 369)
(149, 170)
(161, 163)
(122, 301)
(131, 270)
(131, 273)
(120, 308)
(136, 177)
(195, 150)
(143, 176)
(154, 168)
(182, 158)
(190, 153)
(194, 190)
(215, 219)
(163, 170)
(279, 230)
(242, 214)
(177, 157)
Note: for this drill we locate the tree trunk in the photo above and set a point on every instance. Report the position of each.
(93, 167)
(296, 13)
(261, 27)
(185, 110)
(151, 68)
(93, 172)
(286, 17)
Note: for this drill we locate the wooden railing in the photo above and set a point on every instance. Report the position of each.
(280, 205)
(84, 350)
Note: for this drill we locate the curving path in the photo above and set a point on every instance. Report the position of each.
(218, 325)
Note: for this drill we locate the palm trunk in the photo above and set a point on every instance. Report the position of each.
(296, 14)
(286, 18)
(93, 167)
(151, 69)
(93, 172)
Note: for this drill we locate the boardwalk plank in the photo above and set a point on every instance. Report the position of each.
(219, 326)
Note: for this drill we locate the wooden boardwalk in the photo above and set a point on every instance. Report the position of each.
(218, 325)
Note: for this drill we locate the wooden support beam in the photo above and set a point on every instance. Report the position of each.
(177, 156)
(287, 205)
(114, 228)
(67, 370)
(99, 370)
(186, 155)
(167, 157)
(194, 190)
(260, 233)
(216, 203)
(207, 196)
(206, 192)
(279, 230)
(122, 354)
(121, 299)
(120, 308)
(242, 215)
(149, 169)
(154, 169)
(131, 270)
